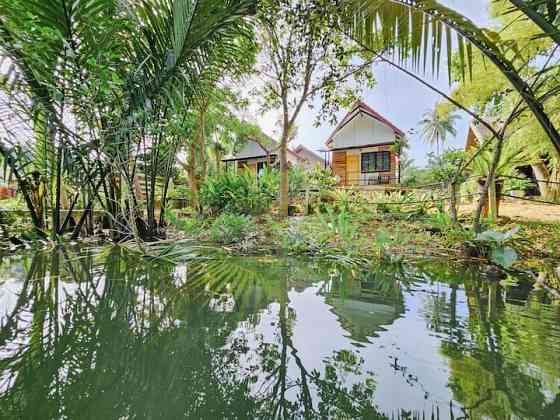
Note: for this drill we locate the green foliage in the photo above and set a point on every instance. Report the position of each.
(239, 193)
(321, 178)
(297, 180)
(496, 246)
(451, 234)
(339, 224)
(123, 89)
(414, 176)
(444, 168)
(179, 191)
(348, 201)
(232, 228)
(513, 155)
(328, 234)
(403, 204)
(191, 226)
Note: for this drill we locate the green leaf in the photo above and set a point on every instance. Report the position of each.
(504, 256)
(490, 236)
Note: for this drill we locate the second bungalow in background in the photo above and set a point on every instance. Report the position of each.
(258, 154)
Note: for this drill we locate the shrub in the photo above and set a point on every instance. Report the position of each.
(179, 191)
(190, 226)
(232, 228)
(496, 246)
(321, 178)
(297, 181)
(239, 193)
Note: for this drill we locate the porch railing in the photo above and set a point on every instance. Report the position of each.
(370, 180)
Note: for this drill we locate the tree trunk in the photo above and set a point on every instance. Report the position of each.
(453, 201)
(192, 177)
(490, 179)
(58, 186)
(284, 187)
(197, 166)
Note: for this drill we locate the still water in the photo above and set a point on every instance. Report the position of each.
(104, 334)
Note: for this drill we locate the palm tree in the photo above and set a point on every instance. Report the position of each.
(435, 128)
(167, 52)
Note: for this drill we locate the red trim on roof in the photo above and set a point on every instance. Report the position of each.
(362, 107)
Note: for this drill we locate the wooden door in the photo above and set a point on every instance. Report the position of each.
(339, 166)
(352, 169)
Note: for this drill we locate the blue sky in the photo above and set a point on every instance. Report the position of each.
(397, 97)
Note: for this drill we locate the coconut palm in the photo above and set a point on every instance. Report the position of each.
(435, 128)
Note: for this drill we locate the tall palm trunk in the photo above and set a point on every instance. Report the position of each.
(197, 166)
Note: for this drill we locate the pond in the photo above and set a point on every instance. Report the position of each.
(105, 334)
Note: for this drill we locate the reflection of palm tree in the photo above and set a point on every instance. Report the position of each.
(435, 128)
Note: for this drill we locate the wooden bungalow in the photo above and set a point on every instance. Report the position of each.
(476, 136)
(308, 159)
(363, 147)
(256, 155)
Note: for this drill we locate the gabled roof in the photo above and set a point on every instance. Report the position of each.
(301, 151)
(476, 135)
(361, 107)
(267, 146)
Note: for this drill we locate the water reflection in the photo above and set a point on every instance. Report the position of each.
(107, 334)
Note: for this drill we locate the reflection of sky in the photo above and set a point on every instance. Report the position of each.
(421, 381)
(318, 333)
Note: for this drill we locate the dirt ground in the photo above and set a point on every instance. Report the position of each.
(524, 211)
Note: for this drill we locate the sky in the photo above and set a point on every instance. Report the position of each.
(397, 97)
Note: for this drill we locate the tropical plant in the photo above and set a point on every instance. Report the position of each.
(94, 96)
(232, 228)
(497, 246)
(321, 178)
(240, 193)
(406, 205)
(417, 29)
(513, 156)
(435, 128)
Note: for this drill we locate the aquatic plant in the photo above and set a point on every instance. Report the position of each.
(496, 246)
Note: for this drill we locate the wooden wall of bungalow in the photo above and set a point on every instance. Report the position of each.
(348, 164)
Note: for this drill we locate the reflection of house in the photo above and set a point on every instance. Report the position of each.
(362, 147)
(360, 310)
(256, 155)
